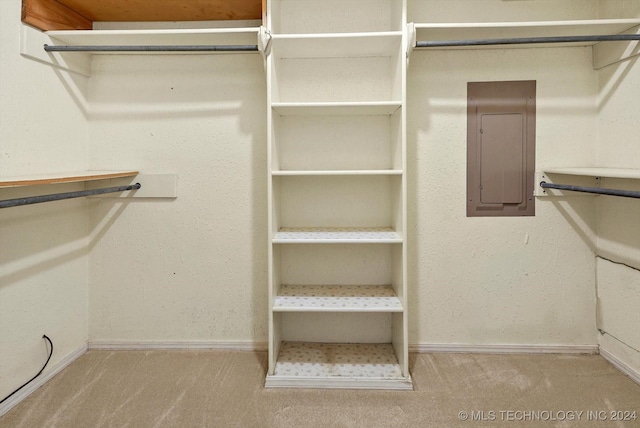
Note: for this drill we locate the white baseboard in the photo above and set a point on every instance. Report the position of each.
(624, 368)
(503, 349)
(125, 345)
(419, 348)
(44, 378)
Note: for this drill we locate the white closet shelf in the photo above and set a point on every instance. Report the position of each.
(323, 365)
(285, 173)
(501, 30)
(336, 45)
(337, 298)
(363, 108)
(63, 177)
(629, 173)
(337, 235)
(179, 37)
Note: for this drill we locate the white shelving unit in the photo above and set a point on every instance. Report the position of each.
(337, 194)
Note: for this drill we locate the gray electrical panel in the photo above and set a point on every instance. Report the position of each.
(501, 123)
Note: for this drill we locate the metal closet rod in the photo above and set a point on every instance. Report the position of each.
(526, 40)
(8, 203)
(597, 190)
(152, 48)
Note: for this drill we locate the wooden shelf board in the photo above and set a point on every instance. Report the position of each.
(364, 108)
(180, 37)
(628, 173)
(322, 365)
(337, 235)
(296, 173)
(166, 10)
(500, 30)
(63, 177)
(337, 298)
(80, 14)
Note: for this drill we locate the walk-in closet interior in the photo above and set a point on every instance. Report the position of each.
(336, 183)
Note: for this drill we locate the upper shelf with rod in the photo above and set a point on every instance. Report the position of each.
(72, 50)
(492, 35)
(147, 185)
(69, 26)
(165, 40)
(87, 176)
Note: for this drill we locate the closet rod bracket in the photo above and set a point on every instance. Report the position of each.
(595, 190)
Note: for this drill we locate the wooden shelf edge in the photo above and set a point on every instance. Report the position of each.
(58, 178)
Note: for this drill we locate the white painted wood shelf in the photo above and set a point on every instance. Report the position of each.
(164, 37)
(63, 177)
(336, 45)
(361, 108)
(624, 173)
(337, 298)
(322, 365)
(284, 173)
(501, 30)
(337, 235)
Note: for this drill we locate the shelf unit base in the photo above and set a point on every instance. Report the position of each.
(400, 384)
(341, 366)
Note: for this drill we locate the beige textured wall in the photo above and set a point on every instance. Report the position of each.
(618, 9)
(500, 10)
(618, 228)
(197, 265)
(193, 268)
(523, 280)
(43, 248)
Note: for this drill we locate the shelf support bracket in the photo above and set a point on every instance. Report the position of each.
(411, 39)
(540, 176)
(264, 41)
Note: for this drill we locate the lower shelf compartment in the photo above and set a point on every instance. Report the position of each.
(325, 365)
(337, 298)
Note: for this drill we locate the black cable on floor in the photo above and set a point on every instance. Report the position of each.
(39, 373)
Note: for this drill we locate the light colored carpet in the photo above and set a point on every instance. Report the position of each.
(225, 389)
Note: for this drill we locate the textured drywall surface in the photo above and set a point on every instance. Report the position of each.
(43, 248)
(618, 228)
(499, 280)
(618, 302)
(618, 9)
(193, 268)
(499, 10)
